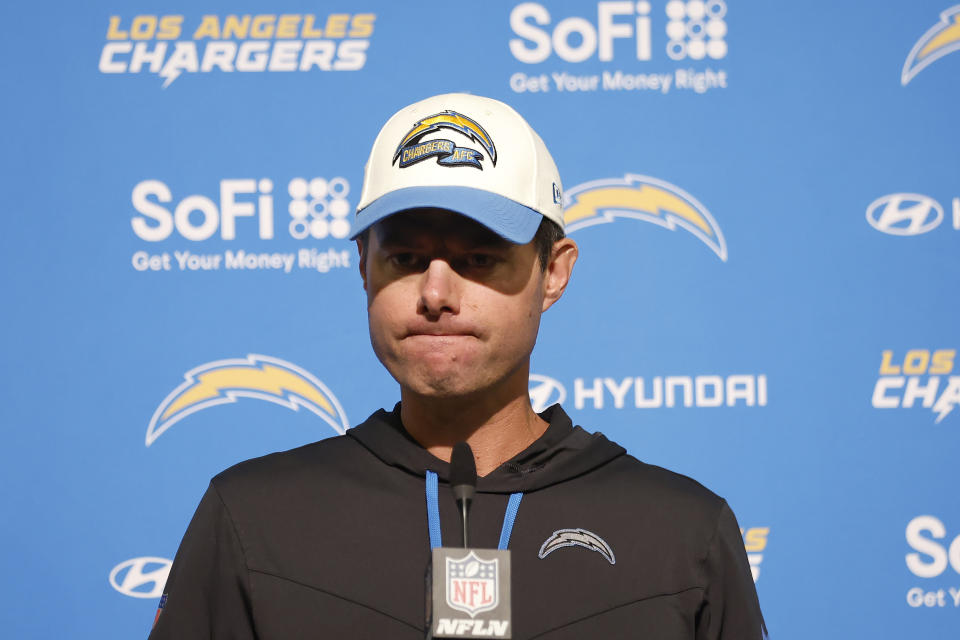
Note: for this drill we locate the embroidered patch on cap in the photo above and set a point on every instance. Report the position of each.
(412, 149)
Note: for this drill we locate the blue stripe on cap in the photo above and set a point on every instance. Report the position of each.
(508, 219)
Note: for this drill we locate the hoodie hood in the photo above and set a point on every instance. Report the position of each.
(561, 453)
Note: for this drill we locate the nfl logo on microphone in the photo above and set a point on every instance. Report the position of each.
(475, 582)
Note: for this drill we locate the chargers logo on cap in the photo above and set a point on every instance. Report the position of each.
(411, 150)
(260, 377)
(941, 39)
(641, 198)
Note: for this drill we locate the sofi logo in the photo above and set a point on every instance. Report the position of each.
(933, 552)
(695, 29)
(576, 39)
(318, 209)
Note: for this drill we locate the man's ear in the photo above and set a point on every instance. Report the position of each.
(557, 274)
(362, 252)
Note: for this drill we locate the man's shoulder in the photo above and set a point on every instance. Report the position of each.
(623, 474)
(308, 462)
(664, 480)
(656, 489)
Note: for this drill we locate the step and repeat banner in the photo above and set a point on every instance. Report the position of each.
(767, 202)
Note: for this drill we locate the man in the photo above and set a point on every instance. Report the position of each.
(461, 250)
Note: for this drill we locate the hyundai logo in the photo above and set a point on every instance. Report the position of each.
(904, 214)
(545, 392)
(141, 577)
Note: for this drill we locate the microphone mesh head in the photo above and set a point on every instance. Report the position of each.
(463, 468)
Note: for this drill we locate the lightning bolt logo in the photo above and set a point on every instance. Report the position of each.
(948, 401)
(641, 198)
(576, 538)
(184, 56)
(941, 39)
(169, 74)
(449, 120)
(256, 376)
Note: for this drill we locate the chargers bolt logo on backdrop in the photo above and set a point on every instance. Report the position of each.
(917, 377)
(908, 214)
(942, 38)
(642, 198)
(164, 45)
(256, 376)
(141, 577)
(411, 150)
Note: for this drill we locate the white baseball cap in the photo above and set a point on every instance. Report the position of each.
(471, 155)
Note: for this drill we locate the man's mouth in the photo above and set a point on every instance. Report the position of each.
(440, 332)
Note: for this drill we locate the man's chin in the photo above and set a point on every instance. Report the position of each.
(444, 385)
(445, 389)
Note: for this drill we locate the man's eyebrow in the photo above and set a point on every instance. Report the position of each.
(495, 243)
(394, 236)
(476, 236)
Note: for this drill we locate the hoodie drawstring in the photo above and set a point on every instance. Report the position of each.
(433, 514)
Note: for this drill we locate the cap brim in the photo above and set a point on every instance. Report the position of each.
(505, 217)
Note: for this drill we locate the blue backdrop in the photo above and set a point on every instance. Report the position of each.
(766, 201)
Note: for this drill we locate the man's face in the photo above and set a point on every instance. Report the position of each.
(454, 309)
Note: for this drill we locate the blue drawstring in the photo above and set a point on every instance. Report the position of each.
(511, 514)
(433, 511)
(433, 514)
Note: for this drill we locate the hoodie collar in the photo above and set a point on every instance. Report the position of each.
(561, 453)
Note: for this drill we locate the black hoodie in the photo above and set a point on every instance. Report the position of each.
(330, 540)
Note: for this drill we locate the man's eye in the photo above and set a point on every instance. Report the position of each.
(479, 260)
(404, 260)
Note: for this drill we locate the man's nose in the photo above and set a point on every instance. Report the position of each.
(439, 289)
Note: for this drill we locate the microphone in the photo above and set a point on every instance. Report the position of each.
(463, 480)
